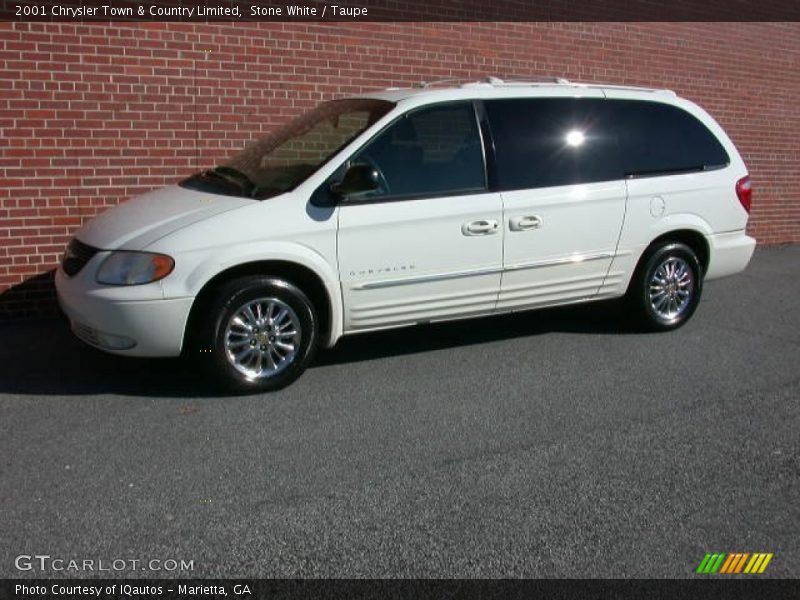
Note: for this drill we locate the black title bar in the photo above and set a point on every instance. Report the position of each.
(399, 10)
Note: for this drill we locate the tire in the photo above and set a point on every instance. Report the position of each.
(667, 286)
(245, 353)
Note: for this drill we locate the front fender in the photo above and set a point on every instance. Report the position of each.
(198, 268)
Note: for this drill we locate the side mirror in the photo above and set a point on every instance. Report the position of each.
(358, 179)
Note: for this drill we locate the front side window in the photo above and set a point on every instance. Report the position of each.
(282, 160)
(432, 151)
(544, 142)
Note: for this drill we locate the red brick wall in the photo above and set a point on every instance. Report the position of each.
(92, 114)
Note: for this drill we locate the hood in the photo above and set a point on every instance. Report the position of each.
(139, 222)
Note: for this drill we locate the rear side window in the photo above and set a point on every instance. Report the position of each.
(658, 139)
(432, 151)
(543, 142)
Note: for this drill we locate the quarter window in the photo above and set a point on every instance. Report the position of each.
(429, 152)
(659, 138)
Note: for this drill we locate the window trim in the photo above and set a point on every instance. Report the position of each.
(677, 171)
(486, 189)
(488, 146)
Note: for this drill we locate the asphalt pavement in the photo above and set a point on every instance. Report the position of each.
(558, 443)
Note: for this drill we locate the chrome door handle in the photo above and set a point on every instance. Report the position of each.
(525, 223)
(481, 227)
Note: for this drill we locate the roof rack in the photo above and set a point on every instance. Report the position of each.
(522, 82)
(445, 81)
(492, 80)
(634, 88)
(528, 81)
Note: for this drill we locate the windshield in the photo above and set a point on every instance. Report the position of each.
(282, 160)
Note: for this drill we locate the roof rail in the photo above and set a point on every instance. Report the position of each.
(528, 81)
(632, 88)
(562, 81)
(446, 80)
(492, 80)
(541, 81)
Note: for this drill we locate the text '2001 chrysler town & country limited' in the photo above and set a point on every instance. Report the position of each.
(408, 206)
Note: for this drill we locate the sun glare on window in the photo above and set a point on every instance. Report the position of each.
(575, 138)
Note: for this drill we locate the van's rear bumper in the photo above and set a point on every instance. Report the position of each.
(729, 253)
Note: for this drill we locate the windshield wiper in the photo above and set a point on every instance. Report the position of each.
(232, 176)
(216, 174)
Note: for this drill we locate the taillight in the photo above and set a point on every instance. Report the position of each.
(744, 190)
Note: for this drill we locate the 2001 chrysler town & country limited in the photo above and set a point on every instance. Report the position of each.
(415, 205)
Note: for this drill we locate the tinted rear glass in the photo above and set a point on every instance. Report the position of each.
(542, 142)
(553, 141)
(659, 138)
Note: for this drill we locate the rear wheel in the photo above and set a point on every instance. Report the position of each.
(264, 334)
(666, 288)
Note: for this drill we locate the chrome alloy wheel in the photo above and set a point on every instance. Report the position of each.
(671, 288)
(262, 338)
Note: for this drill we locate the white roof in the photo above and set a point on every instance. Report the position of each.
(493, 87)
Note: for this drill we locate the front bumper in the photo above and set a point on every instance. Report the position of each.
(103, 317)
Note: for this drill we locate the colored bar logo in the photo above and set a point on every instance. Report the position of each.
(734, 563)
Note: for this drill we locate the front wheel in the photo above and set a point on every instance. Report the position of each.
(264, 335)
(666, 289)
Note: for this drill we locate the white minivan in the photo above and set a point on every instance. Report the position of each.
(409, 206)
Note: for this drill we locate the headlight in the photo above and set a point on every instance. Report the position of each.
(134, 268)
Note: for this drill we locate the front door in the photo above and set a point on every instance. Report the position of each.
(428, 243)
